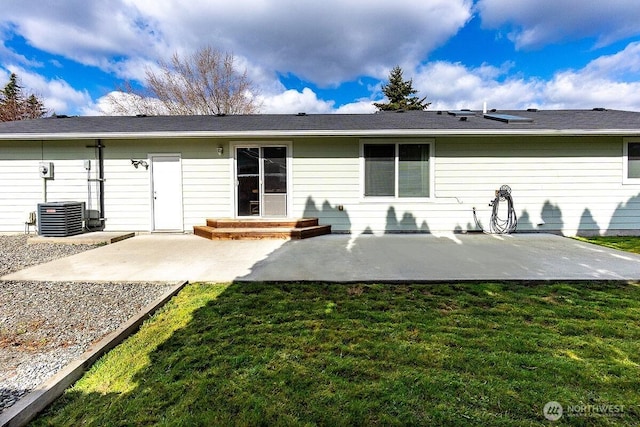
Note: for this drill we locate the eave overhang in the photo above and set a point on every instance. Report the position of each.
(318, 133)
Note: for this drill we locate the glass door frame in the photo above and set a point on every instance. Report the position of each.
(234, 146)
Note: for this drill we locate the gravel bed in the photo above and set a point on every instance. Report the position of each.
(45, 325)
(16, 254)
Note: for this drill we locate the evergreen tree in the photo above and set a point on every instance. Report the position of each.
(34, 108)
(15, 106)
(400, 93)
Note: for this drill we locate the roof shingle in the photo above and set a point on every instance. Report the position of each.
(424, 121)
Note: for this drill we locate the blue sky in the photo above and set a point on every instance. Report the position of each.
(332, 56)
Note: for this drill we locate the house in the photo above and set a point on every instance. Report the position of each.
(570, 171)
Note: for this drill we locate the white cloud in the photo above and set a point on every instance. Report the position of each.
(331, 42)
(535, 23)
(324, 42)
(454, 86)
(9, 56)
(293, 101)
(91, 33)
(58, 96)
(286, 102)
(364, 106)
(598, 84)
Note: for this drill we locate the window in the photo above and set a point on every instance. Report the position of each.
(397, 169)
(379, 170)
(633, 160)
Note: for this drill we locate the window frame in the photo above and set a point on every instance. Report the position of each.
(625, 161)
(396, 142)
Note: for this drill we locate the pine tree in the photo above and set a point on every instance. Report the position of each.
(34, 108)
(400, 93)
(15, 106)
(9, 99)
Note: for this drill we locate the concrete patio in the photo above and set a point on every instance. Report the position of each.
(343, 258)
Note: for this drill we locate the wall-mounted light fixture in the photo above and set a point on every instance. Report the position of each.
(142, 163)
(220, 150)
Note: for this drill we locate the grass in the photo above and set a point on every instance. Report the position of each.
(329, 354)
(623, 243)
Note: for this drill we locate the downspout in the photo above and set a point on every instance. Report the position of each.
(100, 186)
(100, 148)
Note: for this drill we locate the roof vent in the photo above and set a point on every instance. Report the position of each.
(463, 119)
(221, 114)
(599, 109)
(400, 110)
(301, 114)
(532, 110)
(439, 113)
(141, 115)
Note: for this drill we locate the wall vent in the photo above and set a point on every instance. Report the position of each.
(60, 219)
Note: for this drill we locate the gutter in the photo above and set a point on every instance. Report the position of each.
(319, 133)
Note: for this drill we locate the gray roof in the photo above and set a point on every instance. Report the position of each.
(424, 123)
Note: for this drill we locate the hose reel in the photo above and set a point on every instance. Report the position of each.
(498, 225)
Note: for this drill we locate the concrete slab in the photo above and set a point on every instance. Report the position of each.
(344, 258)
(156, 257)
(93, 238)
(428, 258)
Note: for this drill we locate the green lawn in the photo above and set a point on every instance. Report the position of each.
(328, 354)
(623, 243)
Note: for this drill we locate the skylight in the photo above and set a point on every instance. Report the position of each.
(461, 113)
(508, 118)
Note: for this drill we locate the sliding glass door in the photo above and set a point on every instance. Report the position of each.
(261, 179)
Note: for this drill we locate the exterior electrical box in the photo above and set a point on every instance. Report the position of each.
(46, 170)
(60, 219)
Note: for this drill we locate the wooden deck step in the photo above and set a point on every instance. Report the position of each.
(237, 229)
(262, 223)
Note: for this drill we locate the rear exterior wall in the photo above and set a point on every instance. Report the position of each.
(568, 185)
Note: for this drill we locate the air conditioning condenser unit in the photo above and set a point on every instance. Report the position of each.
(60, 219)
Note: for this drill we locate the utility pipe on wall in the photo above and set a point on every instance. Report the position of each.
(101, 180)
(99, 147)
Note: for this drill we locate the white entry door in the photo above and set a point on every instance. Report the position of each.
(166, 192)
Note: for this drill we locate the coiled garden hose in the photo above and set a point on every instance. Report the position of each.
(496, 224)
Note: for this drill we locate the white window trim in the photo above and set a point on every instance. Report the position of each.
(625, 161)
(397, 142)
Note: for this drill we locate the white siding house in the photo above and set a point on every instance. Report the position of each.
(571, 172)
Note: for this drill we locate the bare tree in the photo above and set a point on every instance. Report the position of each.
(205, 82)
